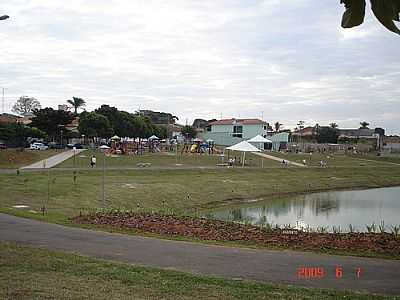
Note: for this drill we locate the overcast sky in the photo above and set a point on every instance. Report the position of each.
(285, 60)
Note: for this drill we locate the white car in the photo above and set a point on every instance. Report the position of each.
(38, 146)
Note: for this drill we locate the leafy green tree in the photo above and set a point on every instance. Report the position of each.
(95, 125)
(159, 117)
(364, 125)
(117, 120)
(161, 131)
(386, 11)
(327, 135)
(25, 105)
(16, 133)
(76, 103)
(333, 125)
(189, 131)
(126, 124)
(51, 121)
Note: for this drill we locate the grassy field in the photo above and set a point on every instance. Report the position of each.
(333, 160)
(12, 158)
(29, 273)
(169, 159)
(67, 193)
(179, 191)
(391, 158)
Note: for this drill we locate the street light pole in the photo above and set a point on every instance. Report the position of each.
(2, 100)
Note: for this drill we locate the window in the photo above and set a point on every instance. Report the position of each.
(237, 131)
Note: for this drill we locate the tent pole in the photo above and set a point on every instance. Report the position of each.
(244, 157)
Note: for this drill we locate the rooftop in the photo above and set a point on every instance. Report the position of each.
(234, 121)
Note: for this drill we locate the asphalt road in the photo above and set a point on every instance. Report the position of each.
(375, 275)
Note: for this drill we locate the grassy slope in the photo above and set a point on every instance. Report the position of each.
(12, 159)
(28, 273)
(182, 190)
(333, 160)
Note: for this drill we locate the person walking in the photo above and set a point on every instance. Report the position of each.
(93, 161)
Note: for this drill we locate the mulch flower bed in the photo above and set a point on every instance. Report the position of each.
(205, 229)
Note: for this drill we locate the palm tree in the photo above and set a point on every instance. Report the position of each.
(76, 103)
(277, 126)
(334, 125)
(385, 11)
(364, 124)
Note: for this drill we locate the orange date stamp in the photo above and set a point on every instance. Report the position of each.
(320, 272)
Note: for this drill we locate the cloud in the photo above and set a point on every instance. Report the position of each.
(289, 60)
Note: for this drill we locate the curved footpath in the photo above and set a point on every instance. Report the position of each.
(376, 276)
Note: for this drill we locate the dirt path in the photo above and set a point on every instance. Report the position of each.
(52, 161)
(278, 159)
(376, 275)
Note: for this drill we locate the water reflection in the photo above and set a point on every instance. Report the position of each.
(358, 208)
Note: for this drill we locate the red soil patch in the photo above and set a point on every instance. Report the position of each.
(205, 229)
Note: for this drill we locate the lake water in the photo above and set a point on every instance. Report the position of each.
(336, 208)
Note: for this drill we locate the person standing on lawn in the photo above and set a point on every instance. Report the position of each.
(93, 161)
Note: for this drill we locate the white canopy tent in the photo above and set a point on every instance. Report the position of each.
(243, 147)
(153, 137)
(259, 140)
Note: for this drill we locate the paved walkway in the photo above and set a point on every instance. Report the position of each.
(377, 275)
(278, 159)
(53, 160)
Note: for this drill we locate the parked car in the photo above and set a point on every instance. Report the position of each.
(3, 146)
(76, 146)
(38, 146)
(53, 145)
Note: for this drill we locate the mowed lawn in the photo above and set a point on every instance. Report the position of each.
(179, 191)
(332, 160)
(389, 158)
(31, 273)
(14, 158)
(163, 159)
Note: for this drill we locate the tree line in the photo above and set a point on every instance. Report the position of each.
(51, 124)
